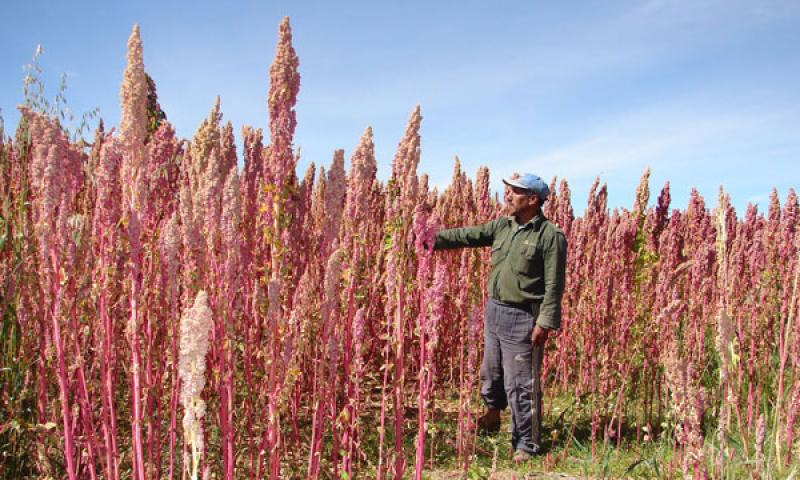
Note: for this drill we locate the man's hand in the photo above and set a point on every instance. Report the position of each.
(428, 244)
(539, 335)
(425, 243)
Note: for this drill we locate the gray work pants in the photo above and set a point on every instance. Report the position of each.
(511, 371)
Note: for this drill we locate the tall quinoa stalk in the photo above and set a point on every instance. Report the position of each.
(359, 235)
(401, 197)
(55, 174)
(280, 182)
(430, 313)
(133, 99)
(161, 173)
(169, 250)
(467, 429)
(326, 364)
(231, 278)
(793, 406)
(726, 348)
(106, 217)
(251, 179)
(785, 339)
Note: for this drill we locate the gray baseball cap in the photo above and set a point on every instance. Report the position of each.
(529, 182)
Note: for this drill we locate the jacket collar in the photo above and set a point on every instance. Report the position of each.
(535, 223)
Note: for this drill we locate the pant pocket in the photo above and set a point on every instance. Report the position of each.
(522, 331)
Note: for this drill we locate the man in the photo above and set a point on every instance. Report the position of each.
(525, 287)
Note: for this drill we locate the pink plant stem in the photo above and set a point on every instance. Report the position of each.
(272, 385)
(423, 393)
(347, 361)
(224, 365)
(41, 402)
(472, 358)
(175, 384)
(274, 438)
(294, 407)
(86, 410)
(791, 418)
(267, 441)
(384, 389)
(354, 386)
(321, 392)
(462, 404)
(316, 444)
(618, 404)
(463, 393)
(154, 325)
(149, 387)
(399, 404)
(226, 390)
(173, 413)
(354, 430)
(250, 431)
(253, 338)
(262, 446)
(159, 406)
(136, 427)
(312, 472)
(783, 348)
(335, 433)
(63, 383)
(229, 459)
(751, 374)
(425, 362)
(106, 369)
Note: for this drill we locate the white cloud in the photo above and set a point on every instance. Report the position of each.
(762, 199)
(688, 145)
(638, 139)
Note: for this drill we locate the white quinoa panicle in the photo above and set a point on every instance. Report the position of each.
(195, 326)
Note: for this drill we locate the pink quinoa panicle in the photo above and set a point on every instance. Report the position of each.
(281, 99)
(336, 188)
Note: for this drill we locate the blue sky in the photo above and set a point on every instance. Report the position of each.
(704, 92)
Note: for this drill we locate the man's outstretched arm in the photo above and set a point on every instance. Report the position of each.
(475, 236)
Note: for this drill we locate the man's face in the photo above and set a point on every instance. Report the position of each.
(519, 200)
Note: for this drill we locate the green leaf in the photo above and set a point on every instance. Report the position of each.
(47, 426)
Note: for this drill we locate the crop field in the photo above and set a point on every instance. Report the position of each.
(176, 308)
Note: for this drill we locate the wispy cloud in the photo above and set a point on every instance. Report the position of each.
(761, 199)
(704, 10)
(541, 62)
(688, 145)
(480, 79)
(640, 138)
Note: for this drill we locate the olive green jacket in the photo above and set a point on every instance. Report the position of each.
(528, 262)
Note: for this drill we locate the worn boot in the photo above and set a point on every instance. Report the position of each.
(490, 421)
(521, 456)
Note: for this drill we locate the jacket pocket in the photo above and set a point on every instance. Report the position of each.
(528, 259)
(497, 255)
(497, 250)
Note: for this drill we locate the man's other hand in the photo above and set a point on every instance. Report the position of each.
(539, 335)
